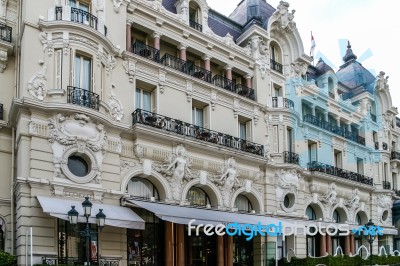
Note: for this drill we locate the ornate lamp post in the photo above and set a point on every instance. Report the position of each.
(86, 233)
(370, 236)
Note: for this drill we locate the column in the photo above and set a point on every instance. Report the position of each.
(207, 63)
(157, 36)
(220, 251)
(180, 231)
(229, 250)
(338, 121)
(182, 49)
(352, 244)
(169, 244)
(228, 73)
(328, 244)
(128, 36)
(349, 126)
(322, 248)
(249, 81)
(313, 109)
(326, 113)
(347, 245)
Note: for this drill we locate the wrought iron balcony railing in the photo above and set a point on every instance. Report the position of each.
(1, 111)
(276, 66)
(193, 24)
(291, 157)
(174, 63)
(286, 103)
(395, 155)
(200, 73)
(224, 83)
(77, 15)
(146, 51)
(386, 185)
(245, 91)
(179, 127)
(5, 32)
(335, 171)
(334, 129)
(83, 97)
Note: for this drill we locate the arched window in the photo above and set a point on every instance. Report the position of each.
(336, 216)
(311, 213)
(243, 204)
(195, 16)
(2, 234)
(358, 219)
(275, 57)
(142, 188)
(198, 197)
(331, 86)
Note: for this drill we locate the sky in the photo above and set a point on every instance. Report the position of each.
(372, 26)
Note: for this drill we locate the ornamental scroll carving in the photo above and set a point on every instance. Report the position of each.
(37, 85)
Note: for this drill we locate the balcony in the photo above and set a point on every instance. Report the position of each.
(395, 155)
(335, 171)
(333, 129)
(1, 111)
(5, 32)
(276, 66)
(224, 83)
(193, 24)
(83, 97)
(386, 185)
(291, 157)
(282, 102)
(77, 15)
(200, 73)
(146, 51)
(174, 63)
(245, 91)
(185, 129)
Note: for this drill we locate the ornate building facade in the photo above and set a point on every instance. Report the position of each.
(166, 111)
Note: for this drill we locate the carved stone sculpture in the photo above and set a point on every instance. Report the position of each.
(228, 181)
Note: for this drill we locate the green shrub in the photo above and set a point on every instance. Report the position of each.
(7, 259)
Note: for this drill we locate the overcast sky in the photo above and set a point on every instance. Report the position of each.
(372, 26)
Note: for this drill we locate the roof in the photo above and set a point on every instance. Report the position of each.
(222, 25)
(322, 67)
(250, 9)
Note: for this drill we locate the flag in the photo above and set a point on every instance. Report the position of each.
(312, 46)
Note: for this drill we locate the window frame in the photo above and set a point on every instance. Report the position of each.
(82, 57)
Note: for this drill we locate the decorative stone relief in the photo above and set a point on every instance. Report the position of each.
(116, 109)
(130, 69)
(213, 99)
(37, 85)
(382, 82)
(284, 18)
(65, 42)
(111, 63)
(117, 5)
(287, 183)
(126, 166)
(298, 69)
(384, 204)
(189, 90)
(3, 60)
(47, 42)
(364, 107)
(258, 49)
(176, 170)
(77, 135)
(354, 202)
(161, 80)
(139, 151)
(256, 114)
(329, 199)
(228, 182)
(182, 8)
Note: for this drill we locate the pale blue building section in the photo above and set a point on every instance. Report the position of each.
(336, 94)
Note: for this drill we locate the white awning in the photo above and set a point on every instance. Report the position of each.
(183, 215)
(115, 215)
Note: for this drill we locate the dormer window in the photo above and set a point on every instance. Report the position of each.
(195, 16)
(276, 57)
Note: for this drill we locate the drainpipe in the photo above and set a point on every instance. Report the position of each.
(12, 189)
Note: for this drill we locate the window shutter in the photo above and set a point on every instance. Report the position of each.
(206, 118)
(58, 69)
(248, 130)
(313, 152)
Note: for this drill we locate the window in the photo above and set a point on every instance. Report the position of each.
(198, 197)
(58, 55)
(360, 166)
(78, 166)
(312, 152)
(80, 5)
(289, 139)
(142, 188)
(242, 251)
(2, 234)
(311, 213)
(243, 204)
(358, 219)
(336, 216)
(244, 127)
(143, 99)
(71, 244)
(83, 72)
(197, 116)
(338, 159)
(277, 90)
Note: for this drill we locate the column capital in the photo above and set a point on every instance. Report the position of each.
(182, 46)
(206, 57)
(228, 67)
(129, 22)
(249, 76)
(156, 34)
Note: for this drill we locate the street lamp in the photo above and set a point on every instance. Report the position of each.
(370, 236)
(86, 233)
